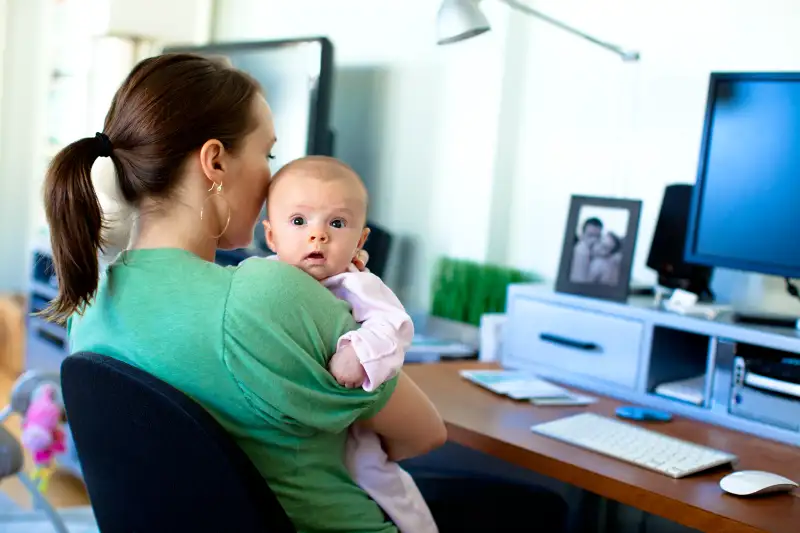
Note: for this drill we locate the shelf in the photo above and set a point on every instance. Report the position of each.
(678, 358)
(637, 352)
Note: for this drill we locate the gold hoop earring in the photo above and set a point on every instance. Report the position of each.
(217, 191)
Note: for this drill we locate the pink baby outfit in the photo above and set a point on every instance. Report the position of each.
(380, 344)
(386, 329)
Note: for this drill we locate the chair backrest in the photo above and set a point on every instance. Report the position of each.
(154, 460)
(379, 244)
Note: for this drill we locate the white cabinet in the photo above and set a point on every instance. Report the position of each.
(598, 346)
(639, 353)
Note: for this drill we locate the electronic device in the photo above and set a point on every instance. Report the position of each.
(744, 213)
(669, 241)
(755, 482)
(767, 319)
(689, 390)
(635, 445)
(297, 77)
(632, 412)
(777, 365)
(766, 386)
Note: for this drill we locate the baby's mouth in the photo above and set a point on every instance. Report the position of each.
(316, 256)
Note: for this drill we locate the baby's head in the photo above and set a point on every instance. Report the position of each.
(316, 215)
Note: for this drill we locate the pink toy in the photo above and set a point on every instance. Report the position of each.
(41, 429)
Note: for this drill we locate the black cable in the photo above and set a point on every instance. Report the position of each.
(791, 288)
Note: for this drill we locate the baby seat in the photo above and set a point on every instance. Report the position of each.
(12, 457)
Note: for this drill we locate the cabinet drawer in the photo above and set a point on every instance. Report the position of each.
(46, 346)
(571, 340)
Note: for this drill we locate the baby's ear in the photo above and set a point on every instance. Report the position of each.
(363, 239)
(269, 236)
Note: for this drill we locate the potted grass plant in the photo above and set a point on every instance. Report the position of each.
(465, 290)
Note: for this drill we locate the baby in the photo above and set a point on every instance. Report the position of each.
(317, 211)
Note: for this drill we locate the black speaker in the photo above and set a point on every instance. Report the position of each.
(669, 240)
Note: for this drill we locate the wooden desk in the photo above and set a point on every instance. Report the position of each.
(498, 426)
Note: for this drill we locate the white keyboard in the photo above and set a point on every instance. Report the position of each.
(626, 442)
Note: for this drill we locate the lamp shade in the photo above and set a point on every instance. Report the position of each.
(459, 20)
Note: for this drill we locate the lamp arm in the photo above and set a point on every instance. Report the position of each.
(626, 55)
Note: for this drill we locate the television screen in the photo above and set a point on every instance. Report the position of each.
(744, 213)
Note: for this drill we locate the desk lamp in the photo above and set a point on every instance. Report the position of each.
(459, 20)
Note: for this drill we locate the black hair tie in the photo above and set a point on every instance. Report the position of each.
(106, 148)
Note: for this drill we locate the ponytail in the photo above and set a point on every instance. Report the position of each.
(76, 224)
(164, 111)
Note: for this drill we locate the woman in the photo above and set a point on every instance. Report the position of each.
(190, 140)
(606, 260)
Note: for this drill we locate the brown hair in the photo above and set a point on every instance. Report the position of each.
(167, 108)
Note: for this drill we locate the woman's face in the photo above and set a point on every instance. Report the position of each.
(245, 190)
(605, 246)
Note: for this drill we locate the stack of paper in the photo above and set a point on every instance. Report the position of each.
(524, 386)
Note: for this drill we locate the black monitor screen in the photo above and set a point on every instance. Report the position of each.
(745, 209)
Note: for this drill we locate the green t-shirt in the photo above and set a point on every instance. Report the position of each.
(251, 345)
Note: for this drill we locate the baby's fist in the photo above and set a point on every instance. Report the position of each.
(347, 369)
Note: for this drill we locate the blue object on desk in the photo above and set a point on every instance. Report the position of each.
(643, 413)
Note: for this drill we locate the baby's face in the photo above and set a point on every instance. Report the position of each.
(317, 224)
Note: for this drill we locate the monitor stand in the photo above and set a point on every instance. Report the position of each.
(772, 319)
(699, 286)
(767, 319)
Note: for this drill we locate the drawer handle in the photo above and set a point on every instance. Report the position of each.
(571, 343)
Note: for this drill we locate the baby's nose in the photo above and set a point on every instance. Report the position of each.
(318, 235)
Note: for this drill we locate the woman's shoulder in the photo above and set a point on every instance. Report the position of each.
(261, 279)
(281, 295)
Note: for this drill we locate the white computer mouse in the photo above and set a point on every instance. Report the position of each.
(752, 482)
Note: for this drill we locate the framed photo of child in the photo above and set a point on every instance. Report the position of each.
(598, 247)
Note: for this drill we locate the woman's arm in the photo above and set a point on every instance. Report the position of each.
(581, 259)
(408, 424)
(280, 324)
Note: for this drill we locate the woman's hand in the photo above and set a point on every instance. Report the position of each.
(360, 260)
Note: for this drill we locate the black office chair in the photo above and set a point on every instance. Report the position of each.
(155, 461)
(378, 245)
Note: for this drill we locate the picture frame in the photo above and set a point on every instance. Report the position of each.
(598, 249)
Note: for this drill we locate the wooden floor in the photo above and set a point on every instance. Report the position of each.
(64, 490)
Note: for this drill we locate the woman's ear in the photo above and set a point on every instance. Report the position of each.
(212, 155)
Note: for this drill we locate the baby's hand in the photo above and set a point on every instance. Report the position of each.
(360, 260)
(347, 369)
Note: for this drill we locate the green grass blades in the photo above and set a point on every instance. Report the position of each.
(464, 290)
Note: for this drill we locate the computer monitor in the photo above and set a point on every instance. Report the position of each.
(297, 78)
(745, 210)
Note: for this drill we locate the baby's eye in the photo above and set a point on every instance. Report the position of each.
(298, 221)
(338, 223)
(270, 156)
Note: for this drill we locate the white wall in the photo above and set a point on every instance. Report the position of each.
(28, 48)
(24, 88)
(476, 148)
(3, 24)
(419, 122)
(174, 21)
(593, 124)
